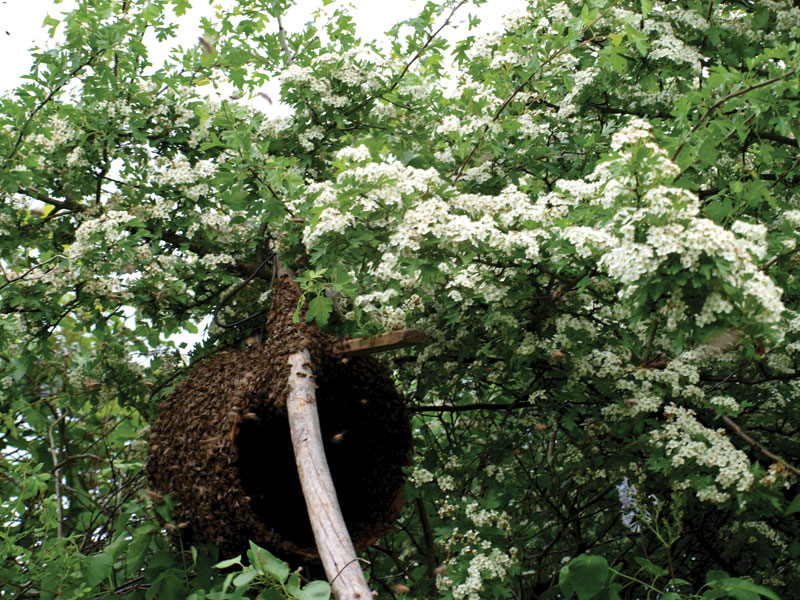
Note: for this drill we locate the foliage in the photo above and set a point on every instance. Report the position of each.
(592, 212)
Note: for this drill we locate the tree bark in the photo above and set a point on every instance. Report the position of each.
(330, 532)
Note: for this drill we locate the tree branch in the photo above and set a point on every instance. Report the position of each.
(723, 100)
(284, 44)
(430, 547)
(57, 474)
(24, 129)
(774, 137)
(731, 426)
(427, 43)
(468, 407)
(514, 94)
(167, 235)
(330, 532)
(34, 267)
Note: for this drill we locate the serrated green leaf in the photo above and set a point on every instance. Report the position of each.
(319, 309)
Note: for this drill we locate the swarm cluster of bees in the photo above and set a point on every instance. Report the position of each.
(221, 446)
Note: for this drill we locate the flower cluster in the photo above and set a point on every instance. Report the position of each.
(685, 439)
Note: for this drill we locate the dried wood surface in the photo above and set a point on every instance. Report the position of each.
(401, 338)
(330, 532)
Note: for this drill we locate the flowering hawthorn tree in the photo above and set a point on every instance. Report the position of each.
(592, 212)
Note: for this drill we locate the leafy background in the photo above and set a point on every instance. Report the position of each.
(592, 212)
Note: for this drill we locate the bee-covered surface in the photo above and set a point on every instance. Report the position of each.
(221, 446)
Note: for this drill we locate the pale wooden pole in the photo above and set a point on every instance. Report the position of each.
(330, 532)
(333, 541)
(402, 338)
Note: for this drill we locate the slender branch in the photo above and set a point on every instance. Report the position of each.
(775, 259)
(648, 346)
(427, 43)
(723, 100)
(732, 132)
(167, 235)
(521, 86)
(72, 457)
(611, 110)
(777, 138)
(57, 473)
(333, 541)
(284, 44)
(774, 137)
(729, 379)
(101, 175)
(430, 547)
(551, 447)
(731, 426)
(468, 407)
(33, 268)
(24, 129)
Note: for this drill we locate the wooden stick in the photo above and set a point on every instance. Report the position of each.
(330, 532)
(401, 338)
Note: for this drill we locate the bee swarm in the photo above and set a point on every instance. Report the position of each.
(221, 446)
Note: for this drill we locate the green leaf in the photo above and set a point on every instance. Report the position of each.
(585, 575)
(52, 24)
(319, 309)
(244, 578)
(265, 560)
(743, 589)
(98, 568)
(794, 506)
(316, 590)
(650, 567)
(715, 575)
(708, 152)
(293, 584)
(237, 560)
(181, 6)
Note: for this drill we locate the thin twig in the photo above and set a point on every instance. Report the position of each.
(430, 548)
(733, 131)
(72, 457)
(356, 559)
(24, 129)
(731, 426)
(284, 44)
(33, 268)
(522, 85)
(723, 100)
(427, 43)
(551, 447)
(468, 407)
(57, 472)
(648, 346)
(767, 266)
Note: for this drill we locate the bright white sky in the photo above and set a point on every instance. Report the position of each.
(21, 25)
